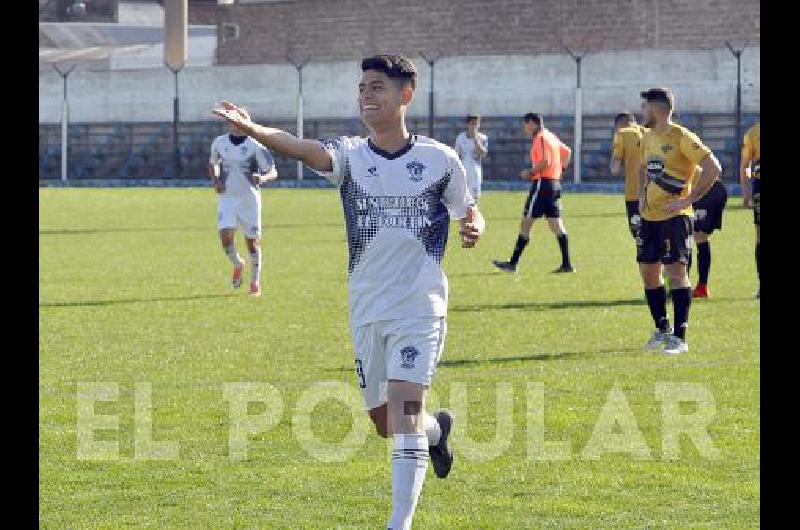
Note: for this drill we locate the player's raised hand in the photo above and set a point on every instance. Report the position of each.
(231, 113)
(472, 227)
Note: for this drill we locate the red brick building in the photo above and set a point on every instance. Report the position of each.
(267, 31)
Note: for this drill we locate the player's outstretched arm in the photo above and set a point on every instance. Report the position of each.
(310, 152)
(471, 227)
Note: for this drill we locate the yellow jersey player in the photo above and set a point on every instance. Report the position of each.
(625, 157)
(670, 154)
(751, 170)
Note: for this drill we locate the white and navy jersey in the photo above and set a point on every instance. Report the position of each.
(239, 159)
(465, 147)
(397, 210)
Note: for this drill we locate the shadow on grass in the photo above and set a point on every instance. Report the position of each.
(567, 216)
(81, 231)
(466, 274)
(209, 228)
(568, 304)
(121, 301)
(455, 363)
(539, 357)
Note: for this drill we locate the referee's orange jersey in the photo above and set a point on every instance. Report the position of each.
(547, 146)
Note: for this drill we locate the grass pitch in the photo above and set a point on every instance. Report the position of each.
(134, 290)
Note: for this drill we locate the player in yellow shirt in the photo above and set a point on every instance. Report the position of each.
(750, 170)
(670, 154)
(625, 156)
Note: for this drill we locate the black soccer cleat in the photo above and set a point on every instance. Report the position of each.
(440, 454)
(564, 268)
(505, 266)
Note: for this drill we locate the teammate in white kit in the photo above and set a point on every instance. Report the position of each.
(472, 146)
(240, 197)
(398, 193)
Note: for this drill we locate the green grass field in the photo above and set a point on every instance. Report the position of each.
(134, 289)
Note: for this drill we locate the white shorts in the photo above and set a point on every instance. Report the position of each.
(403, 350)
(474, 184)
(243, 211)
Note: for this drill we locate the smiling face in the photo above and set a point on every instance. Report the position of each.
(381, 99)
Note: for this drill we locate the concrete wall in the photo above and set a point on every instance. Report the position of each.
(703, 80)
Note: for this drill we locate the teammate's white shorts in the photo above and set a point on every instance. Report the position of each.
(474, 185)
(403, 350)
(242, 210)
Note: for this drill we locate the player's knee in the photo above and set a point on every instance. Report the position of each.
(651, 276)
(555, 226)
(678, 275)
(380, 420)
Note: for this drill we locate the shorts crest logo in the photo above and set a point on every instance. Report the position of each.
(415, 168)
(408, 357)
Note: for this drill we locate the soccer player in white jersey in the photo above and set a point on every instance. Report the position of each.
(240, 196)
(398, 192)
(472, 146)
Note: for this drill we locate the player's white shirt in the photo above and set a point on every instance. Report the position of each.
(465, 147)
(397, 210)
(237, 163)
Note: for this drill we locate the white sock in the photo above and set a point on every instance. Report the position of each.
(234, 256)
(432, 429)
(255, 263)
(409, 464)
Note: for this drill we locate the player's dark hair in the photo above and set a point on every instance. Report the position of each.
(471, 117)
(659, 95)
(622, 116)
(532, 117)
(395, 67)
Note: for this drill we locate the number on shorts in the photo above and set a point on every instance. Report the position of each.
(362, 383)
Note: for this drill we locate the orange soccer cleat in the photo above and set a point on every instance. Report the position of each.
(236, 280)
(701, 291)
(255, 289)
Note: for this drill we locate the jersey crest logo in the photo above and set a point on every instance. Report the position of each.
(373, 171)
(415, 169)
(666, 148)
(408, 356)
(243, 149)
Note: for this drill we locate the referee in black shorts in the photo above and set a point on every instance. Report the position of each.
(549, 157)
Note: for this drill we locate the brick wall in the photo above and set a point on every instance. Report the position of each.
(325, 29)
(203, 12)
